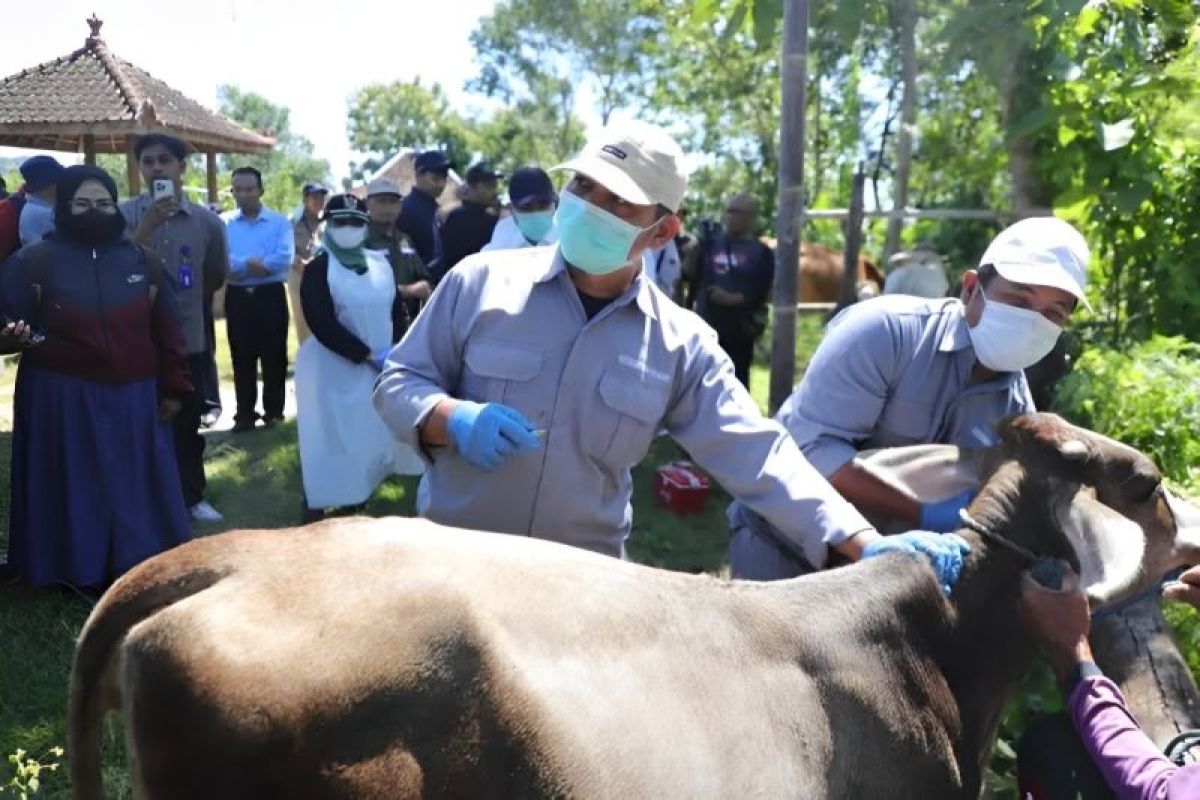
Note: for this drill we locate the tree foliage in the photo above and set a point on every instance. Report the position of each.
(288, 166)
(385, 117)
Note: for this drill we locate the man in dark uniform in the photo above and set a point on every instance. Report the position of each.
(735, 274)
(383, 208)
(418, 213)
(469, 227)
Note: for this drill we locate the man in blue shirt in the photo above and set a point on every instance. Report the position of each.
(37, 217)
(418, 212)
(261, 251)
(901, 370)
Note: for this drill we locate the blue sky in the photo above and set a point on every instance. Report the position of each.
(304, 54)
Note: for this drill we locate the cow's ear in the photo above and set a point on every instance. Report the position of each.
(1048, 442)
(1110, 547)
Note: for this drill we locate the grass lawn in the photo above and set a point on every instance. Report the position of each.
(254, 479)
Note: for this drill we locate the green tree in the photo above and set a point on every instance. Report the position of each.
(288, 166)
(387, 116)
(602, 45)
(542, 130)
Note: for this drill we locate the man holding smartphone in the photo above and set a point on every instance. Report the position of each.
(190, 240)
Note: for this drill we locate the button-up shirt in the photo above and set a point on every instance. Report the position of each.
(37, 219)
(196, 235)
(306, 238)
(509, 327)
(894, 371)
(267, 237)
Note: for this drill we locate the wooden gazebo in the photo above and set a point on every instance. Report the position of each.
(92, 101)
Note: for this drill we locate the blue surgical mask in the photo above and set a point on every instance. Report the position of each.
(592, 239)
(534, 225)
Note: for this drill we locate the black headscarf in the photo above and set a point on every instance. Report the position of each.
(93, 227)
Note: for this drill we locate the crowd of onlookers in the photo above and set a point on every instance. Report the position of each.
(110, 302)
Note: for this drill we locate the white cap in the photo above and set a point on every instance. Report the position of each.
(383, 186)
(636, 160)
(1041, 251)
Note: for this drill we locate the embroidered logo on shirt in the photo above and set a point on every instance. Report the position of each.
(135, 278)
(644, 368)
(614, 151)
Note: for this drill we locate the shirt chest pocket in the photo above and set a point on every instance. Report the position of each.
(627, 417)
(506, 372)
(905, 422)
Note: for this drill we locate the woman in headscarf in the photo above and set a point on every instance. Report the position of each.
(94, 486)
(350, 300)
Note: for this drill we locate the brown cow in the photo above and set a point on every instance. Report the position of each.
(819, 277)
(396, 658)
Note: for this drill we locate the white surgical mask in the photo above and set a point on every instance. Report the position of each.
(347, 237)
(1008, 338)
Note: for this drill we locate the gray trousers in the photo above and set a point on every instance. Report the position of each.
(758, 556)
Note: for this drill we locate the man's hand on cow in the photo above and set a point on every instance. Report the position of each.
(486, 434)
(944, 551)
(942, 516)
(1059, 620)
(1186, 588)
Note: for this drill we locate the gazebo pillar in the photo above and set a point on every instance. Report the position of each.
(210, 159)
(89, 149)
(133, 175)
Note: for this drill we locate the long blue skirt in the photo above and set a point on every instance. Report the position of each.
(95, 490)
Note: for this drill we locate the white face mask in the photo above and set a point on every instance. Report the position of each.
(347, 237)
(1008, 338)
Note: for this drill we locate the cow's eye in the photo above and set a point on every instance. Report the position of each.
(1151, 493)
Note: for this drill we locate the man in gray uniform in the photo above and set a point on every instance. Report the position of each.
(900, 370)
(536, 378)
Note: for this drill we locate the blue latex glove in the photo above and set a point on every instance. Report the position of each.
(486, 434)
(379, 357)
(945, 552)
(942, 516)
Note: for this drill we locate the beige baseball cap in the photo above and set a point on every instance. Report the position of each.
(636, 160)
(1041, 251)
(383, 186)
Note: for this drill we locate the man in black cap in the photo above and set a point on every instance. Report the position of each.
(306, 235)
(469, 227)
(418, 212)
(532, 201)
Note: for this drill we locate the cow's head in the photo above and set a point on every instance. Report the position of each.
(1108, 500)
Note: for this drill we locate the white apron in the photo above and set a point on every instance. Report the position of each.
(346, 451)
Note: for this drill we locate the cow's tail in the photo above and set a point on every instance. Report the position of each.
(95, 687)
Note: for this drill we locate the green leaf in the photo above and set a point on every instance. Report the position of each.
(1087, 20)
(1066, 135)
(768, 15)
(736, 20)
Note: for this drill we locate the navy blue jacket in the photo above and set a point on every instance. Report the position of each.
(418, 219)
(109, 313)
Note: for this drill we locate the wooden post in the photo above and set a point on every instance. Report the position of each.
(1136, 649)
(853, 235)
(908, 119)
(133, 175)
(794, 76)
(89, 149)
(210, 161)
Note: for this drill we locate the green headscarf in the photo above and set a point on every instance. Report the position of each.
(354, 258)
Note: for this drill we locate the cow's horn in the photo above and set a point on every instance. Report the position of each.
(1074, 450)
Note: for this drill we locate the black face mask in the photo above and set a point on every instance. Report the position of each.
(92, 227)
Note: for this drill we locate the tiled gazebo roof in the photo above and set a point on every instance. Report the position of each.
(93, 93)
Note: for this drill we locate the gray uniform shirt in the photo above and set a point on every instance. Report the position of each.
(508, 326)
(893, 371)
(203, 234)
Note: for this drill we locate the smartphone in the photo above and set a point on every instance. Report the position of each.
(161, 188)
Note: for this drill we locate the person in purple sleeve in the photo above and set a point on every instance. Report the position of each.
(1125, 758)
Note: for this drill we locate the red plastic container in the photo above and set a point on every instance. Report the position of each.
(681, 487)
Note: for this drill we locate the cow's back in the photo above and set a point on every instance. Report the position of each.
(395, 658)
